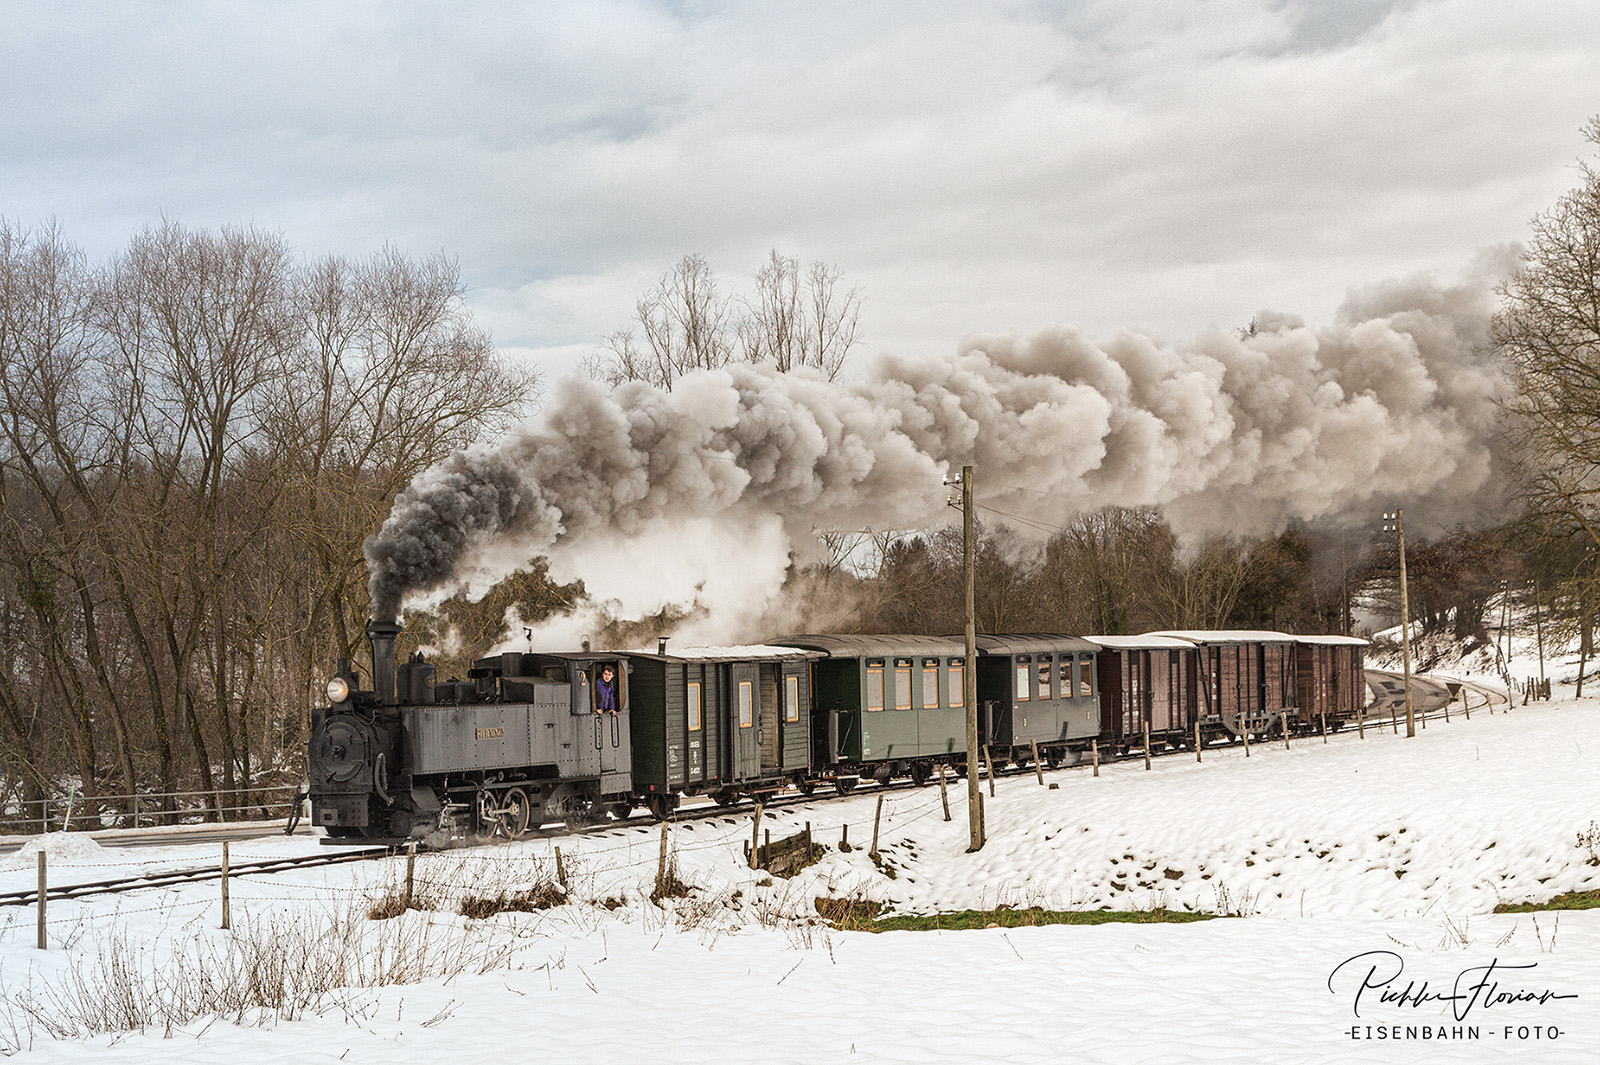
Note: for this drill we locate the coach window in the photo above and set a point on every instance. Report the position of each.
(875, 684)
(1044, 677)
(1085, 675)
(930, 683)
(747, 704)
(956, 676)
(902, 684)
(791, 698)
(1024, 678)
(694, 706)
(1067, 681)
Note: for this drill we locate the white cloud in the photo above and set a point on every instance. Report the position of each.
(974, 167)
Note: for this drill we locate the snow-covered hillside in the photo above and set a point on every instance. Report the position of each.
(1333, 851)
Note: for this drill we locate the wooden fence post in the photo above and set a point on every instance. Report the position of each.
(411, 872)
(1094, 749)
(944, 794)
(226, 916)
(1197, 739)
(561, 870)
(1038, 770)
(988, 760)
(1147, 742)
(1244, 730)
(755, 837)
(661, 864)
(1283, 720)
(875, 819)
(844, 839)
(44, 893)
(1324, 726)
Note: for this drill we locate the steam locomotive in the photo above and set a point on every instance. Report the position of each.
(576, 737)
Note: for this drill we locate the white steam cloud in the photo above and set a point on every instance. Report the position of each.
(702, 493)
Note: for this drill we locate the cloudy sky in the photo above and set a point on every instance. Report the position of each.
(973, 167)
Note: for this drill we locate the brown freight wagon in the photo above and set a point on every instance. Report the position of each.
(1330, 679)
(1247, 678)
(1147, 680)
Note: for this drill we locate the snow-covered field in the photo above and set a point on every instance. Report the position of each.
(1389, 851)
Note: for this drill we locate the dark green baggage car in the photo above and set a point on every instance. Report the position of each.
(727, 722)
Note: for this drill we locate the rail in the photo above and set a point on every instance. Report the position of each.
(64, 813)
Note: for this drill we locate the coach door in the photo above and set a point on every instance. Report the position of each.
(744, 705)
(611, 737)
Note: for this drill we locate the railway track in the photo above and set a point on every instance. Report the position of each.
(367, 851)
(172, 877)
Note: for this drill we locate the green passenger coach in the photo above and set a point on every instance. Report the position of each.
(886, 706)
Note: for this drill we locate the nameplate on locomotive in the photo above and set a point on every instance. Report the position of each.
(491, 733)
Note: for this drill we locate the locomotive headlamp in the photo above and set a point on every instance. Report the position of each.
(338, 690)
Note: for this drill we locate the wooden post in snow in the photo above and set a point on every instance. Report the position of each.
(1038, 771)
(944, 794)
(875, 819)
(755, 838)
(44, 893)
(226, 916)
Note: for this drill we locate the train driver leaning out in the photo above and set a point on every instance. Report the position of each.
(605, 690)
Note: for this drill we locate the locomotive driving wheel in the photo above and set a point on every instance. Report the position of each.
(514, 811)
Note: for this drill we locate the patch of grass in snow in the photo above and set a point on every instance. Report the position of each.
(1007, 917)
(1571, 900)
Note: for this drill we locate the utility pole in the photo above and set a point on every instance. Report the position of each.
(969, 674)
(1396, 523)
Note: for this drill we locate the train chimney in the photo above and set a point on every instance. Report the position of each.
(382, 636)
(661, 645)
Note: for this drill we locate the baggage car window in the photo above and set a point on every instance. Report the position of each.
(875, 685)
(694, 706)
(747, 704)
(791, 698)
(930, 683)
(956, 694)
(902, 684)
(1066, 679)
(1024, 679)
(1044, 678)
(1085, 675)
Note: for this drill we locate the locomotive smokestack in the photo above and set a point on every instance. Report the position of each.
(661, 645)
(382, 636)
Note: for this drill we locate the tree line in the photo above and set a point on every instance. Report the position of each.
(195, 437)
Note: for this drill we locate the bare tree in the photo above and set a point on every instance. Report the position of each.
(795, 317)
(800, 318)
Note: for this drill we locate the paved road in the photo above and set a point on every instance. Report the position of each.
(1427, 693)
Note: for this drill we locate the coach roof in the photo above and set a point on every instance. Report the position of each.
(1033, 643)
(848, 645)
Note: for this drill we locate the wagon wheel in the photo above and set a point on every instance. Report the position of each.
(620, 810)
(1052, 758)
(661, 805)
(844, 785)
(725, 796)
(514, 810)
(804, 785)
(920, 773)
